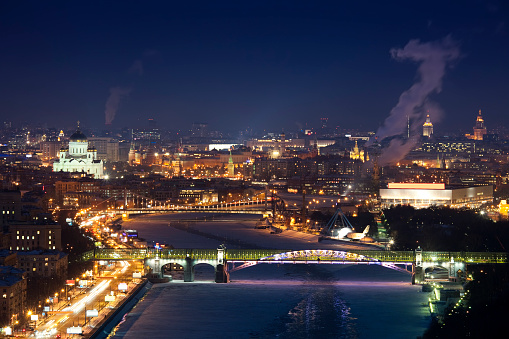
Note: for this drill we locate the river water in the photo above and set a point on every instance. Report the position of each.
(270, 300)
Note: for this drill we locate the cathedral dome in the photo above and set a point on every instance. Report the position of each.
(78, 136)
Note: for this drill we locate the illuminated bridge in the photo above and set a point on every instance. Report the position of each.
(146, 205)
(226, 261)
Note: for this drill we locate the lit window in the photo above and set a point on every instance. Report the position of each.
(17, 237)
(34, 269)
(38, 232)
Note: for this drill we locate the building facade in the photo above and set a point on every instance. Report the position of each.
(424, 195)
(46, 263)
(10, 206)
(27, 237)
(479, 128)
(427, 128)
(79, 157)
(13, 292)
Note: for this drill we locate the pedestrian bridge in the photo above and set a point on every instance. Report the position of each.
(277, 255)
(229, 260)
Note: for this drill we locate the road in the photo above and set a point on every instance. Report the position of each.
(93, 298)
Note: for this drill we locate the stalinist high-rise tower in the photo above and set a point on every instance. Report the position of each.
(479, 128)
(427, 128)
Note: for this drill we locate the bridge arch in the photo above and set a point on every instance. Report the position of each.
(320, 256)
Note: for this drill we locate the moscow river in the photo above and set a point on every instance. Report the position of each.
(271, 301)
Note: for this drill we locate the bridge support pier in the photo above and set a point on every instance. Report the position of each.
(417, 274)
(222, 275)
(417, 267)
(189, 270)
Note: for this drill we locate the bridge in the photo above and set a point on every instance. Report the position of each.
(135, 203)
(226, 261)
(242, 207)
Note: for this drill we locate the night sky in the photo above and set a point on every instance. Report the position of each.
(264, 65)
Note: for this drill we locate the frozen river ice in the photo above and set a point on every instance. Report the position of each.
(273, 301)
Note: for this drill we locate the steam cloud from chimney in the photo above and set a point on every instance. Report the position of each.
(433, 57)
(113, 102)
(118, 93)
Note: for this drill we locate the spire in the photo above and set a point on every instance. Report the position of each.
(408, 126)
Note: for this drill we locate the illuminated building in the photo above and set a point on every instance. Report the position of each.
(357, 154)
(504, 208)
(79, 157)
(29, 236)
(447, 147)
(267, 144)
(424, 195)
(50, 149)
(427, 128)
(43, 263)
(479, 129)
(231, 166)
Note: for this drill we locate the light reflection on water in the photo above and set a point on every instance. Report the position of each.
(323, 313)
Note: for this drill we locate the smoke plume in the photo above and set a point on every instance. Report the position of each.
(136, 67)
(434, 57)
(113, 102)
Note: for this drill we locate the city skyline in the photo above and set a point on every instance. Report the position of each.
(289, 167)
(246, 65)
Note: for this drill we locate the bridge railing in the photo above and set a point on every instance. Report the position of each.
(188, 253)
(389, 256)
(89, 255)
(121, 253)
(467, 257)
(238, 254)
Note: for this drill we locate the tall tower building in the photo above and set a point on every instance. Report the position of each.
(231, 166)
(427, 128)
(479, 128)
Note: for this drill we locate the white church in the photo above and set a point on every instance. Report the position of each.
(78, 157)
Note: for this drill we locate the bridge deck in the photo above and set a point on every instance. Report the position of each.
(300, 255)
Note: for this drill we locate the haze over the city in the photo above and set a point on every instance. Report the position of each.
(252, 64)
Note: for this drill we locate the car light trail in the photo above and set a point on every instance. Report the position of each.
(80, 305)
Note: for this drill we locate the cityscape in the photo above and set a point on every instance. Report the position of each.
(254, 170)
